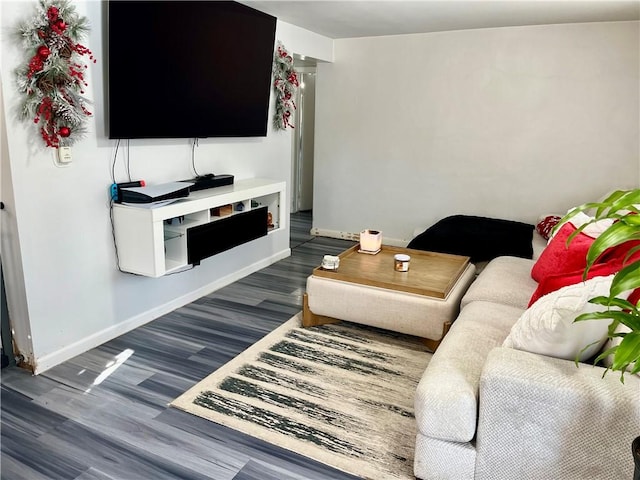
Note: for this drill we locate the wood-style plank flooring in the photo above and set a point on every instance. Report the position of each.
(103, 415)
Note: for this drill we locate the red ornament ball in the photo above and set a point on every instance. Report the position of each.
(43, 52)
(52, 13)
(64, 131)
(61, 25)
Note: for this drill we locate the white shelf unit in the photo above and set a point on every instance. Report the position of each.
(153, 241)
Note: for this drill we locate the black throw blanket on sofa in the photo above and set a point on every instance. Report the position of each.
(480, 238)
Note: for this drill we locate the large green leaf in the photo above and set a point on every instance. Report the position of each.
(615, 302)
(573, 212)
(605, 354)
(627, 201)
(631, 321)
(610, 205)
(626, 279)
(627, 352)
(616, 234)
(619, 200)
(633, 220)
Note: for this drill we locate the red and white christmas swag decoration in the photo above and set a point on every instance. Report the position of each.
(285, 84)
(53, 80)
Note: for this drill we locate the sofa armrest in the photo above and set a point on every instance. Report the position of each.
(542, 417)
(446, 402)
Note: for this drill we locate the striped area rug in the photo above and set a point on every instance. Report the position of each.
(341, 394)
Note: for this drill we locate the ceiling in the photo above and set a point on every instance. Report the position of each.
(366, 18)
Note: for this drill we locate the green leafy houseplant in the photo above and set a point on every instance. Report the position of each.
(622, 207)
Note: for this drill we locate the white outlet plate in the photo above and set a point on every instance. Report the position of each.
(64, 155)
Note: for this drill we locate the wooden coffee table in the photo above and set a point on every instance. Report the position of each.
(367, 289)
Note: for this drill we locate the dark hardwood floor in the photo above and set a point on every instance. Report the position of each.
(103, 415)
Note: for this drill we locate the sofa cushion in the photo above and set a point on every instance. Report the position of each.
(446, 401)
(505, 280)
(548, 326)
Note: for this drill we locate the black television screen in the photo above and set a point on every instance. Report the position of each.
(187, 69)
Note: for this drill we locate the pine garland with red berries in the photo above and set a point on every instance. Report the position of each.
(53, 79)
(285, 85)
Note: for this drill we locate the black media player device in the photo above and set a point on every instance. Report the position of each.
(209, 180)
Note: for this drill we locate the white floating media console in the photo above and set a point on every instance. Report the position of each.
(164, 239)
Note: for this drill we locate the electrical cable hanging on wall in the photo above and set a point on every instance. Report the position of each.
(52, 80)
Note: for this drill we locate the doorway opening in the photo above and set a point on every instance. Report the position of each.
(303, 137)
(6, 350)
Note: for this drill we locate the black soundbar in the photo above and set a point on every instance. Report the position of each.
(209, 181)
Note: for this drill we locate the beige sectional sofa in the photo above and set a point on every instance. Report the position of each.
(486, 411)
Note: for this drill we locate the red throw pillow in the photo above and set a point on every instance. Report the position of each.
(551, 283)
(558, 258)
(612, 261)
(545, 225)
(619, 253)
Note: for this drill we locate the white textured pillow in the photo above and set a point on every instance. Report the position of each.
(548, 327)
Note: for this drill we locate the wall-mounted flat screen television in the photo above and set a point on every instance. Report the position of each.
(188, 69)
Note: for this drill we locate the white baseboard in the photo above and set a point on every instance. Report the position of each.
(62, 355)
(355, 237)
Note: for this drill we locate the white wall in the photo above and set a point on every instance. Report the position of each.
(73, 298)
(505, 122)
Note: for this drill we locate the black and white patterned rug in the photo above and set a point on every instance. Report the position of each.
(341, 394)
